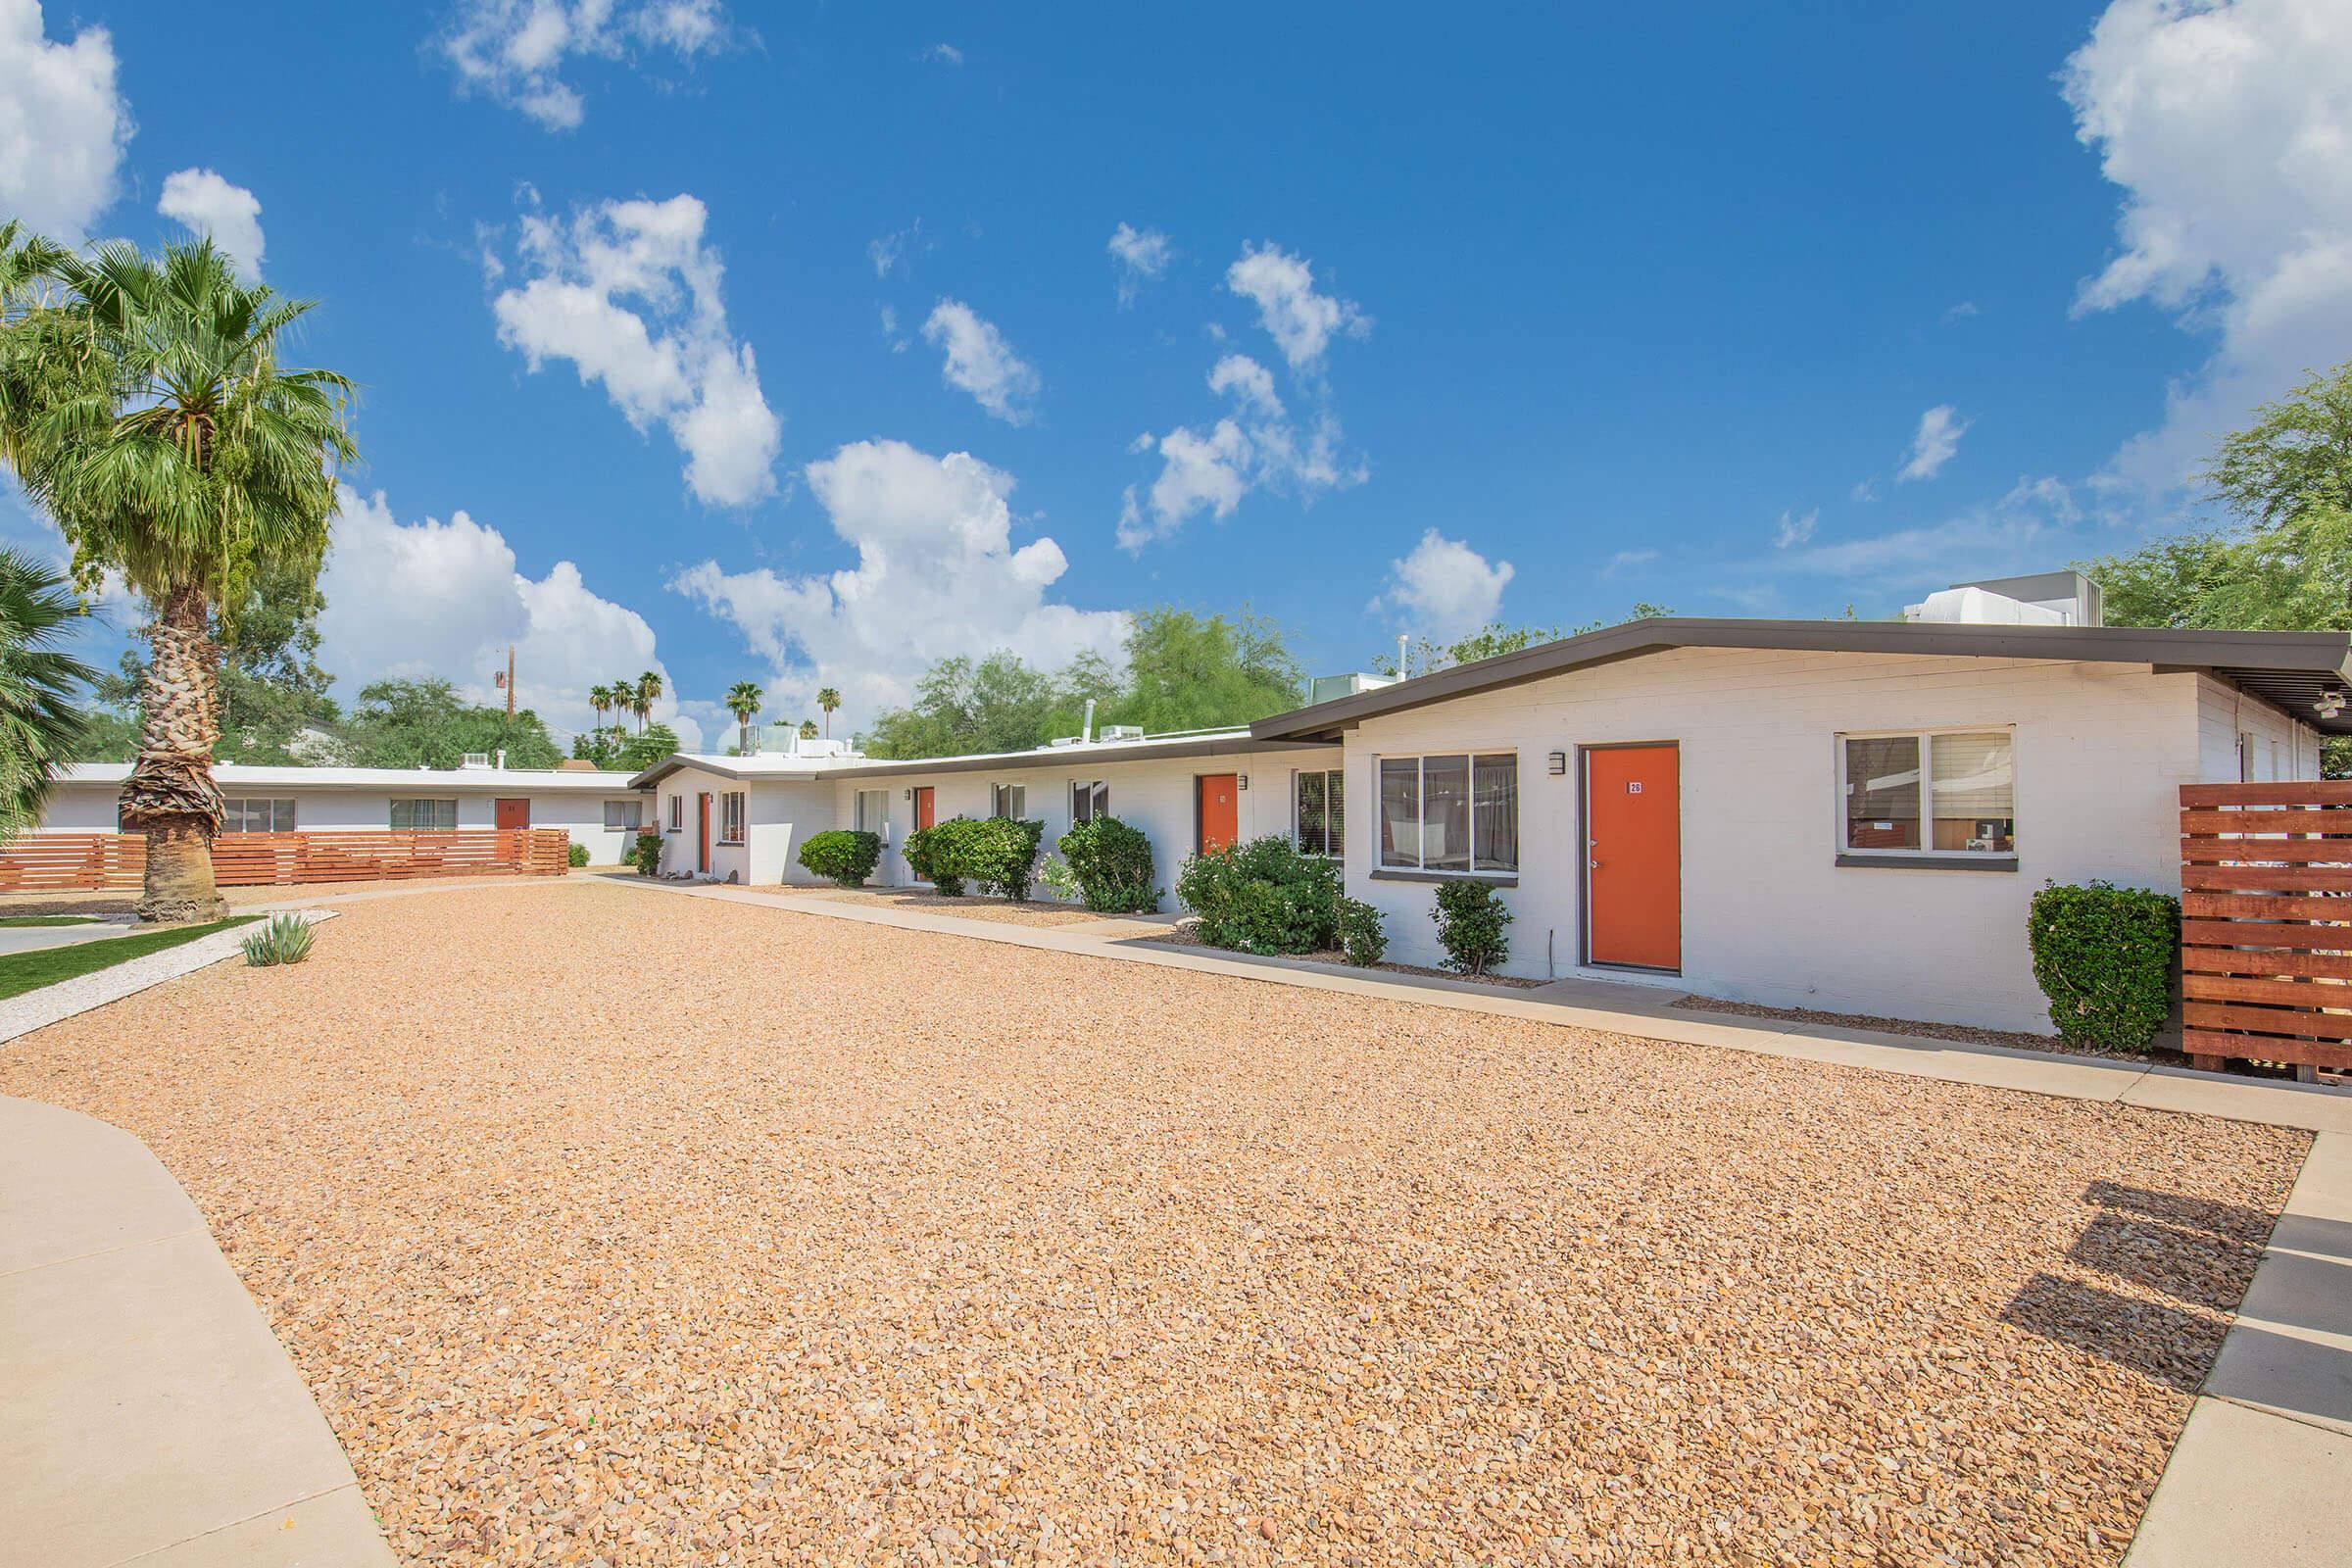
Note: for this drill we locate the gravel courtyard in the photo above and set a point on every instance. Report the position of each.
(615, 1226)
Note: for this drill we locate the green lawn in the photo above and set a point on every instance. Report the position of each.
(47, 919)
(20, 972)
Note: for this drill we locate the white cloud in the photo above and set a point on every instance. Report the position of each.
(1627, 561)
(209, 205)
(888, 253)
(1961, 312)
(1794, 528)
(412, 601)
(947, 54)
(2036, 524)
(1211, 471)
(1933, 443)
(1142, 254)
(629, 293)
(514, 51)
(937, 575)
(62, 124)
(1444, 588)
(2230, 129)
(981, 362)
(1300, 321)
(899, 343)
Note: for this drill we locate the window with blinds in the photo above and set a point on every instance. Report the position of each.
(425, 816)
(1931, 792)
(1320, 812)
(730, 817)
(257, 814)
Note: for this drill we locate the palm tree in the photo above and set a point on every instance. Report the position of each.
(599, 698)
(743, 701)
(148, 413)
(807, 729)
(39, 720)
(828, 699)
(649, 687)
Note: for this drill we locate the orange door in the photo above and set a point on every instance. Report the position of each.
(514, 812)
(1220, 811)
(1634, 876)
(925, 806)
(702, 815)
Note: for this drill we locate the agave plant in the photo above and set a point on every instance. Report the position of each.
(284, 939)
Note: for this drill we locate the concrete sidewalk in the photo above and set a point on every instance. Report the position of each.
(1645, 1012)
(152, 1416)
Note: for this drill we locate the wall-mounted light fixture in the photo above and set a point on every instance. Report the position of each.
(2330, 704)
(1240, 781)
(1556, 762)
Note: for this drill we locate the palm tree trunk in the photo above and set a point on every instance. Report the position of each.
(170, 796)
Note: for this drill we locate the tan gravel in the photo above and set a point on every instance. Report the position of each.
(969, 906)
(648, 1230)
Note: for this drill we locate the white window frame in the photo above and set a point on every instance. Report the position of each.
(411, 802)
(876, 823)
(240, 807)
(1298, 778)
(1926, 797)
(1095, 793)
(622, 808)
(1470, 756)
(677, 813)
(732, 803)
(1019, 794)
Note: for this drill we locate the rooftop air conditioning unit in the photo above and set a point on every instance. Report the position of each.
(474, 759)
(1122, 732)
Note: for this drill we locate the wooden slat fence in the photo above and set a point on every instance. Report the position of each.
(2266, 922)
(48, 863)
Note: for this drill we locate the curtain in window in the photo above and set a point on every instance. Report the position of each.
(425, 816)
(1973, 792)
(1882, 793)
(1496, 790)
(1400, 810)
(1446, 814)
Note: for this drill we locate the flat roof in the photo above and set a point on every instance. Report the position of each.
(2288, 668)
(808, 769)
(260, 775)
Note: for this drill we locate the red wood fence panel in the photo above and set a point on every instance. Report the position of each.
(42, 862)
(2266, 934)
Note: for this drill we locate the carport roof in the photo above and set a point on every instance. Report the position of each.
(2289, 668)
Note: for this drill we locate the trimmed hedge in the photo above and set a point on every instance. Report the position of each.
(1264, 897)
(845, 857)
(577, 855)
(2103, 955)
(646, 854)
(1471, 917)
(995, 852)
(1111, 863)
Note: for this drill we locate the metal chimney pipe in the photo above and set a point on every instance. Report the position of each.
(1402, 672)
(1086, 732)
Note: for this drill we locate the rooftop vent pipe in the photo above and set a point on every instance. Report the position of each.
(1086, 732)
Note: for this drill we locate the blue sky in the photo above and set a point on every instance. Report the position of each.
(1743, 314)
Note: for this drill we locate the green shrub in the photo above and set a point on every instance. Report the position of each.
(845, 857)
(1470, 916)
(929, 857)
(577, 855)
(1360, 935)
(646, 856)
(286, 939)
(1110, 863)
(1262, 897)
(2103, 955)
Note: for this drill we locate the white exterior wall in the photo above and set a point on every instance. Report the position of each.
(90, 809)
(2276, 746)
(1768, 917)
(1154, 797)
(778, 815)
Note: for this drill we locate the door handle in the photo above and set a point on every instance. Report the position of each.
(1595, 864)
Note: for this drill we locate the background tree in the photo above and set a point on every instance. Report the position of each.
(807, 729)
(647, 747)
(600, 702)
(425, 724)
(828, 699)
(149, 415)
(40, 687)
(648, 692)
(743, 701)
(1496, 639)
(603, 746)
(2283, 561)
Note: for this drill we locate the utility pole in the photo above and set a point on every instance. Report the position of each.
(509, 683)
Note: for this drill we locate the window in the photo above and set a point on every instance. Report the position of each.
(625, 816)
(1089, 800)
(1009, 800)
(425, 816)
(1930, 794)
(678, 812)
(256, 815)
(873, 812)
(730, 817)
(1319, 814)
(1448, 813)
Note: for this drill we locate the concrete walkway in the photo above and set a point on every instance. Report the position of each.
(1644, 1011)
(63, 998)
(152, 1418)
(2263, 1471)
